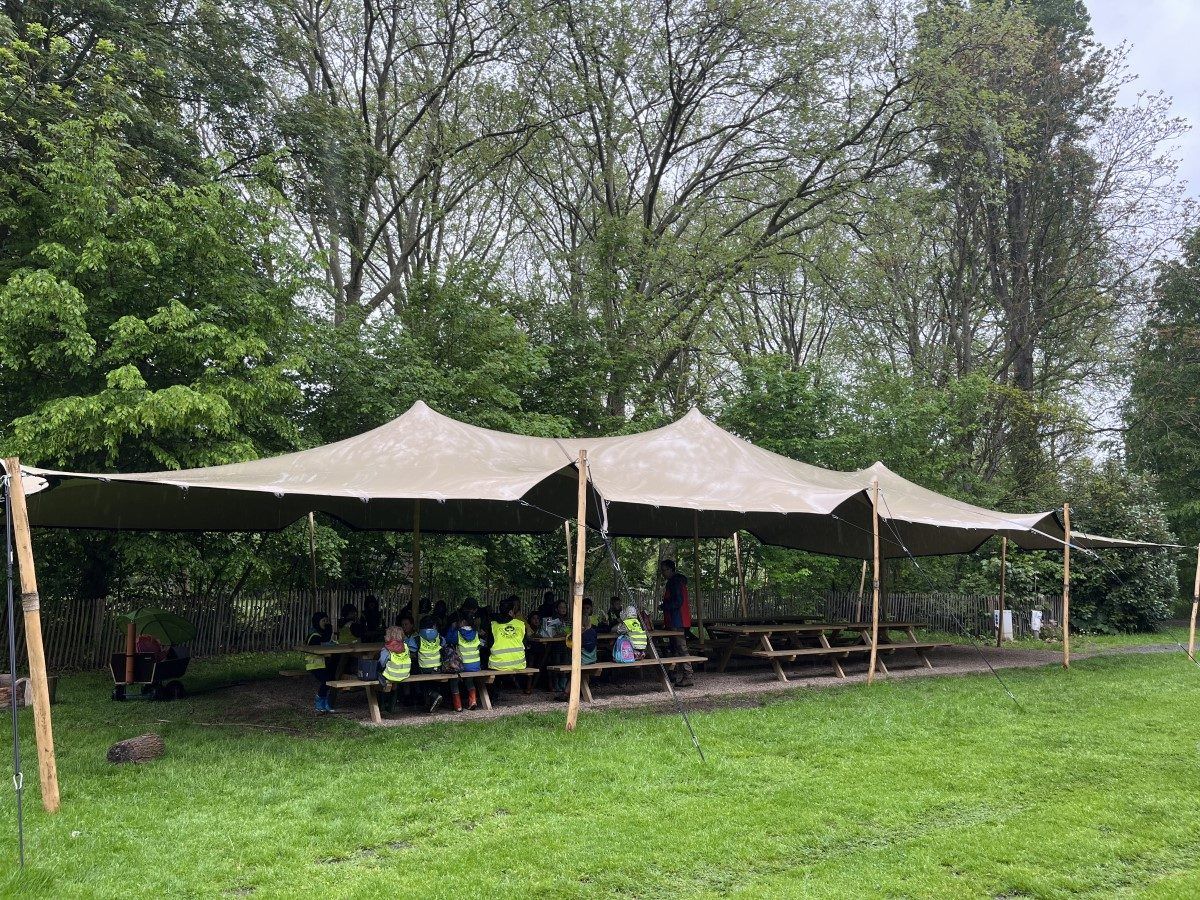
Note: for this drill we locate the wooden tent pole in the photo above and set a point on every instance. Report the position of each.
(312, 558)
(717, 576)
(1195, 604)
(874, 579)
(696, 572)
(862, 587)
(130, 650)
(31, 605)
(570, 560)
(1003, 575)
(1066, 622)
(737, 554)
(415, 590)
(577, 594)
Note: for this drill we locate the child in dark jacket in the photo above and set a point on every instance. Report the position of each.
(321, 634)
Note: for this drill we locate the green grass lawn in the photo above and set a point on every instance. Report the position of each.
(935, 787)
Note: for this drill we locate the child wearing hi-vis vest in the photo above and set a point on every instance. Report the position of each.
(631, 624)
(429, 659)
(321, 634)
(395, 665)
(463, 640)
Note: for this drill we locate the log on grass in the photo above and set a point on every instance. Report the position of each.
(139, 749)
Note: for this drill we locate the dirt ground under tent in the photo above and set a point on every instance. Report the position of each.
(275, 702)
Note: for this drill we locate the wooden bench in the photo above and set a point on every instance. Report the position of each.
(483, 678)
(587, 670)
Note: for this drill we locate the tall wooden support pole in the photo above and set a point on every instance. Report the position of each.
(312, 559)
(577, 594)
(1003, 576)
(737, 555)
(696, 572)
(1195, 604)
(415, 590)
(874, 578)
(1066, 622)
(31, 605)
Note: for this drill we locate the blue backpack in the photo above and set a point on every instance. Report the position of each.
(623, 649)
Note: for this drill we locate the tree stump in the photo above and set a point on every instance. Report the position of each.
(138, 749)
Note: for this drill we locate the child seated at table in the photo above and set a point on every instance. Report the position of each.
(395, 665)
(589, 620)
(613, 617)
(429, 659)
(631, 624)
(587, 651)
(556, 626)
(348, 625)
(464, 638)
(321, 634)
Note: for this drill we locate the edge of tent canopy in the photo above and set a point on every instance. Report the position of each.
(655, 483)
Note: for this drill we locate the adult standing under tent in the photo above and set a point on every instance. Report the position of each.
(677, 613)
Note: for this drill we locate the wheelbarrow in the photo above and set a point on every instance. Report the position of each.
(158, 678)
(157, 673)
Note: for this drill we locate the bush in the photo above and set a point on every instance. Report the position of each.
(1119, 590)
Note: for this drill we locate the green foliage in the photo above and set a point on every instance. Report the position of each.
(1119, 590)
(1164, 405)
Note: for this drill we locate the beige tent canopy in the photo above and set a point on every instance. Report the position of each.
(689, 477)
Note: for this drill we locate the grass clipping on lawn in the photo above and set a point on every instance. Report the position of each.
(936, 787)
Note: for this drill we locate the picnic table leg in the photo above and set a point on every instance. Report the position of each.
(728, 654)
(373, 704)
(837, 666)
(866, 639)
(921, 652)
(586, 687)
(765, 640)
(484, 696)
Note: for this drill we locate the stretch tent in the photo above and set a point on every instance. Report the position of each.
(688, 478)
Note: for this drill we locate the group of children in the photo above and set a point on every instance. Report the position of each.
(468, 640)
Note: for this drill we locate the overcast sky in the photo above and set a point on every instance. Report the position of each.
(1164, 35)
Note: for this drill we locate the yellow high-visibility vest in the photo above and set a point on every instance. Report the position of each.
(508, 645)
(398, 666)
(314, 660)
(637, 634)
(429, 654)
(468, 650)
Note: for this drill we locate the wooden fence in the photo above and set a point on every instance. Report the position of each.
(83, 634)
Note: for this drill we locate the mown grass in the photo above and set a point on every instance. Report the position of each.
(935, 787)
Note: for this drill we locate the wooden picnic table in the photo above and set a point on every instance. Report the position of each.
(543, 646)
(356, 649)
(606, 636)
(760, 634)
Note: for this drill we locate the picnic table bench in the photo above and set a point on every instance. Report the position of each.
(544, 644)
(483, 677)
(822, 631)
(587, 669)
